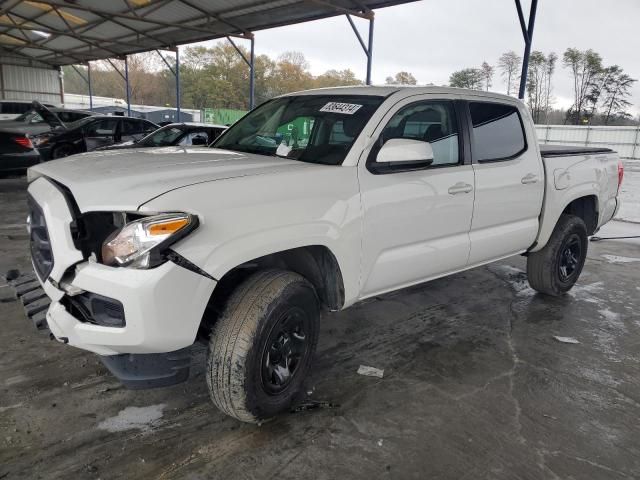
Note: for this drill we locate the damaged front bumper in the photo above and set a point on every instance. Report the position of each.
(141, 322)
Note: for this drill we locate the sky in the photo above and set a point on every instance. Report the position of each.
(431, 39)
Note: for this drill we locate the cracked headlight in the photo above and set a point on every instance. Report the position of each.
(141, 243)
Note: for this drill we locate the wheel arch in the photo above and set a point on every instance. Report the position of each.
(317, 263)
(586, 208)
(582, 203)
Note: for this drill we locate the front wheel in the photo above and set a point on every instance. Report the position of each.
(556, 268)
(262, 345)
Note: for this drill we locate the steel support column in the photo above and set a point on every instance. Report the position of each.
(90, 86)
(368, 48)
(126, 82)
(252, 75)
(176, 73)
(527, 33)
(87, 80)
(177, 84)
(250, 63)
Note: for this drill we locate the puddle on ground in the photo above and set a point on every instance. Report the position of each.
(619, 259)
(144, 419)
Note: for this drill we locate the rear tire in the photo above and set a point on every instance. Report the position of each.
(555, 269)
(261, 347)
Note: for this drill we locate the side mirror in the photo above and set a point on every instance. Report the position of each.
(402, 154)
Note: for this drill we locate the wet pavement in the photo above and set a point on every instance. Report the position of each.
(475, 386)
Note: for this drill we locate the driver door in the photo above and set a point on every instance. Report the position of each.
(100, 133)
(416, 221)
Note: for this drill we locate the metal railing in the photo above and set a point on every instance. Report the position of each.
(624, 140)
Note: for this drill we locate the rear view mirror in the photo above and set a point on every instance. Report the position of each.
(401, 154)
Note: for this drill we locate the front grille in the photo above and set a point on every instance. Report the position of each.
(41, 253)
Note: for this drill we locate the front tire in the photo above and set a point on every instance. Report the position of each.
(555, 269)
(261, 347)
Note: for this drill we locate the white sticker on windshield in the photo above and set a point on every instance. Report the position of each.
(338, 107)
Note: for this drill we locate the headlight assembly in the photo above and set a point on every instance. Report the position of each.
(141, 243)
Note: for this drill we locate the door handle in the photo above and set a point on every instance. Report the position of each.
(460, 187)
(529, 178)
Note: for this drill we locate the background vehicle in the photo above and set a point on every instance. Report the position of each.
(11, 109)
(182, 134)
(34, 122)
(89, 133)
(241, 245)
(16, 153)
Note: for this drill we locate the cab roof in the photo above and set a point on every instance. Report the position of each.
(387, 90)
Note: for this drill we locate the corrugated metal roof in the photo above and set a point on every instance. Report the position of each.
(61, 32)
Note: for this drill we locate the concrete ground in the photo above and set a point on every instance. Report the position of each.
(475, 386)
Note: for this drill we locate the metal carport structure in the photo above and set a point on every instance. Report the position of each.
(59, 32)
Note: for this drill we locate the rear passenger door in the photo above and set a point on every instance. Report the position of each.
(100, 133)
(509, 181)
(132, 130)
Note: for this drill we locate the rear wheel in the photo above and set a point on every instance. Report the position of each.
(556, 268)
(62, 151)
(262, 345)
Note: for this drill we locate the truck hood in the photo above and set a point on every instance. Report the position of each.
(121, 180)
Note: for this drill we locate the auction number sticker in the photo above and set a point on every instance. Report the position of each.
(338, 107)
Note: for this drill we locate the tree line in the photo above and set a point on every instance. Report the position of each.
(217, 77)
(600, 93)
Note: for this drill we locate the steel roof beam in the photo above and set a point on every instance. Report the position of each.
(212, 15)
(161, 24)
(342, 10)
(34, 45)
(75, 35)
(46, 29)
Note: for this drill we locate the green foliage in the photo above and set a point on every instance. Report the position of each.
(215, 77)
(585, 67)
(472, 78)
(401, 78)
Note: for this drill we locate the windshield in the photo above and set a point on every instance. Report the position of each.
(79, 123)
(163, 137)
(309, 128)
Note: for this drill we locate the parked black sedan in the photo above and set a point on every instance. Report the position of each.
(182, 134)
(89, 133)
(37, 120)
(16, 152)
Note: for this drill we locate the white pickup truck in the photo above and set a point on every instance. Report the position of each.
(314, 200)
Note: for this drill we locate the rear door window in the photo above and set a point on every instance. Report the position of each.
(497, 132)
(132, 127)
(103, 128)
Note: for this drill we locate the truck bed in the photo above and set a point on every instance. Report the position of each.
(569, 150)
